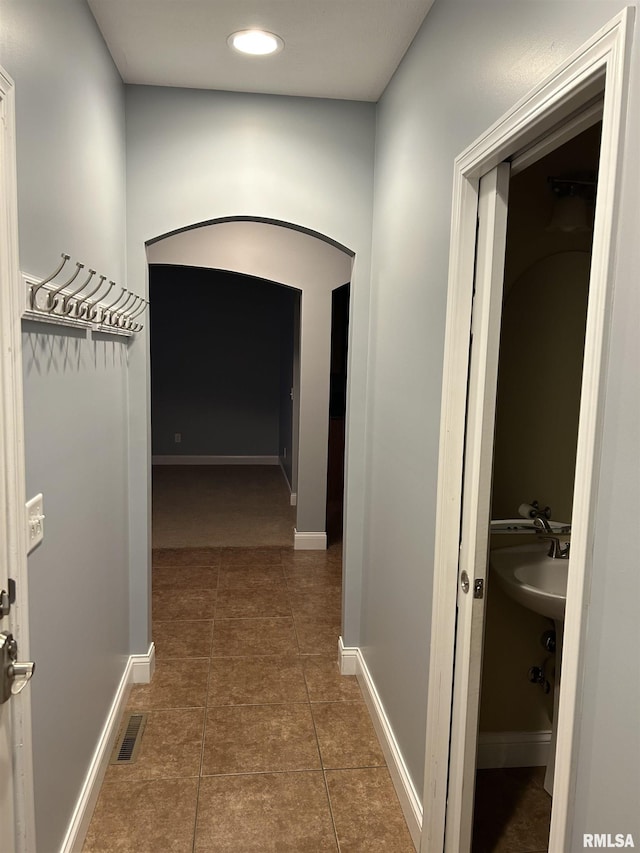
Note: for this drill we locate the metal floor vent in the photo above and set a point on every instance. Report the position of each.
(126, 748)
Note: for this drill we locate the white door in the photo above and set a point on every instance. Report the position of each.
(16, 823)
(476, 498)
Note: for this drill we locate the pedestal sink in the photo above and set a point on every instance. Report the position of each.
(532, 578)
(529, 576)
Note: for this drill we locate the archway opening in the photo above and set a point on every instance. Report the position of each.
(272, 254)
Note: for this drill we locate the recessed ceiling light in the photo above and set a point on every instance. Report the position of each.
(255, 42)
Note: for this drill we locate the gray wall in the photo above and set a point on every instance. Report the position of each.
(218, 344)
(70, 135)
(469, 64)
(192, 157)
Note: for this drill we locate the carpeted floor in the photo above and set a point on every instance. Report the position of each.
(221, 506)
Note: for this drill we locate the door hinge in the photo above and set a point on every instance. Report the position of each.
(7, 598)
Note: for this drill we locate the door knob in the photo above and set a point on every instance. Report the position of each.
(14, 675)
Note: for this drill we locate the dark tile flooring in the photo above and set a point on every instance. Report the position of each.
(512, 811)
(254, 741)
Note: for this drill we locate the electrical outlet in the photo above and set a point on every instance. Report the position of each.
(177, 437)
(285, 453)
(35, 522)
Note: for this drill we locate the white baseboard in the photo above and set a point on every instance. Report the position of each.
(293, 500)
(347, 658)
(352, 662)
(513, 749)
(136, 668)
(309, 541)
(143, 666)
(215, 460)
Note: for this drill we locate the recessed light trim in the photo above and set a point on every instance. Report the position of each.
(255, 42)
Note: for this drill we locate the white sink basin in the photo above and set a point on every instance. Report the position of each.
(532, 578)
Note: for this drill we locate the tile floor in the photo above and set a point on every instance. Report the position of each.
(254, 741)
(512, 811)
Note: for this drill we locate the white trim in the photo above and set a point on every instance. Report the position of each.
(601, 64)
(347, 658)
(513, 749)
(13, 461)
(583, 121)
(143, 666)
(215, 460)
(352, 662)
(309, 541)
(80, 819)
(293, 500)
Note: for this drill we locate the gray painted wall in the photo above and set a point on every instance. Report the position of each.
(218, 343)
(469, 64)
(192, 156)
(70, 134)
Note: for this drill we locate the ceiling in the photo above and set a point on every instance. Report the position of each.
(345, 49)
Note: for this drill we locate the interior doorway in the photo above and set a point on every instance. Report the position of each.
(337, 412)
(544, 310)
(222, 374)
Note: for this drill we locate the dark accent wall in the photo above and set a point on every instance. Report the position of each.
(219, 344)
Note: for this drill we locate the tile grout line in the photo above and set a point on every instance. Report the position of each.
(204, 717)
(322, 767)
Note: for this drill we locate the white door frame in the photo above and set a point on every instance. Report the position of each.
(12, 457)
(600, 66)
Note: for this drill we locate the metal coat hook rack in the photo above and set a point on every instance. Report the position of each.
(69, 304)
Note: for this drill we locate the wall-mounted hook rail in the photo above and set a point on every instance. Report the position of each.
(83, 306)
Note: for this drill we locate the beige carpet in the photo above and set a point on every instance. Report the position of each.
(221, 505)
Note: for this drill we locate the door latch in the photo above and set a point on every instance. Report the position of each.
(478, 588)
(14, 675)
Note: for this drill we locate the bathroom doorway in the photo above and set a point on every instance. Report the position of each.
(544, 311)
(564, 105)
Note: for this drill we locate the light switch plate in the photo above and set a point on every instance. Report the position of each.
(35, 522)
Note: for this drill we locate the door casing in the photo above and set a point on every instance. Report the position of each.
(599, 68)
(12, 459)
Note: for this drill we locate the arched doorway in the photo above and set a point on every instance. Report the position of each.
(281, 253)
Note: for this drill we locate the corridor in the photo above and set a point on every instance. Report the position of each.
(253, 741)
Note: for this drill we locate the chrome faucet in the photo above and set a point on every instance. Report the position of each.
(557, 550)
(541, 522)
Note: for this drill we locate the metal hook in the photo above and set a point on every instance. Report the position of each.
(106, 310)
(93, 309)
(80, 307)
(133, 309)
(66, 307)
(36, 287)
(139, 310)
(117, 318)
(136, 312)
(52, 296)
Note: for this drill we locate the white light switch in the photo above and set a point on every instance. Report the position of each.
(35, 522)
